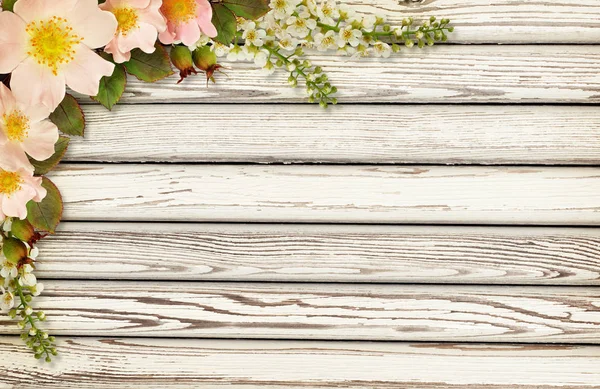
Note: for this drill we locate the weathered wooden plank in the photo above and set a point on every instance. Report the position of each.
(356, 134)
(323, 253)
(505, 21)
(321, 311)
(346, 194)
(443, 74)
(187, 363)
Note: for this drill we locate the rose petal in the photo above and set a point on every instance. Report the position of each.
(39, 144)
(188, 33)
(36, 185)
(204, 18)
(15, 156)
(113, 48)
(16, 205)
(167, 37)
(143, 37)
(31, 10)
(152, 15)
(139, 4)
(13, 41)
(35, 113)
(83, 74)
(8, 103)
(33, 84)
(95, 26)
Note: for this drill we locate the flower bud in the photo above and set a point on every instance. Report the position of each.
(14, 250)
(22, 230)
(204, 58)
(181, 57)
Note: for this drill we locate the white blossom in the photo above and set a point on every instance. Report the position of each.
(382, 49)
(329, 40)
(351, 36)
(283, 8)
(7, 300)
(253, 35)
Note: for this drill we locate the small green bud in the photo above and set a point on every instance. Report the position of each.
(409, 43)
(432, 19)
(204, 58)
(22, 230)
(395, 48)
(450, 29)
(387, 28)
(181, 57)
(48, 359)
(14, 250)
(421, 44)
(323, 104)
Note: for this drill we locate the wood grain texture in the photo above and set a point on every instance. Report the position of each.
(184, 363)
(500, 21)
(442, 74)
(321, 311)
(323, 253)
(346, 194)
(299, 133)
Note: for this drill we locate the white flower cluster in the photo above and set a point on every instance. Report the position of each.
(18, 285)
(278, 39)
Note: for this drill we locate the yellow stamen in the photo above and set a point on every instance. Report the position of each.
(16, 126)
(179, 11)
(10, 182)
(127, 18)
(52, 42)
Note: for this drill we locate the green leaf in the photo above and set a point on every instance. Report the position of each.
(247, 9)
(68, 117)
(43, 167)
(150, 67)
(8, 5)
(112, 88)
(225, 22)
(46, 214)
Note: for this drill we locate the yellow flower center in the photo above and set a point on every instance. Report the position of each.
(179, 11)
(52, 42)
(300, 23)
(328, 41)
(127, 18)
(16, 126)
(9, 182)
(251, 35)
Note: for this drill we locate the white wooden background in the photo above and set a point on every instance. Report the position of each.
(446, 237)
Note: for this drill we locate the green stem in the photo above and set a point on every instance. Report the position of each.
(299, 70)
(383, 34)
(38, 339)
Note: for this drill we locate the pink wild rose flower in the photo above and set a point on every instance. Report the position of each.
(140, 21)
(17, 188)
(186, 20)
(49, 43)
(24, 129)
